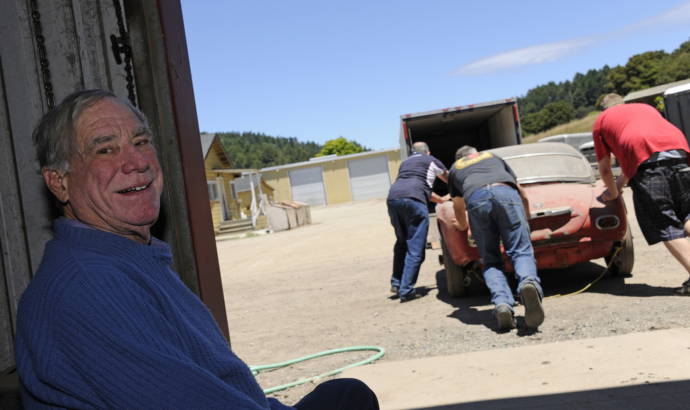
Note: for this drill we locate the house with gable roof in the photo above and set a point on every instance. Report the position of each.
(235, 195)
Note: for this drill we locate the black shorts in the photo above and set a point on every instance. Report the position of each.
(661, 195)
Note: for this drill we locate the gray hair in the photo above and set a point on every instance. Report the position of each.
(610, 100)
(54, 136)
(464, 151)
(420, 148)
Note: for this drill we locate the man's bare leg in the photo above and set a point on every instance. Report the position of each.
(680, 249)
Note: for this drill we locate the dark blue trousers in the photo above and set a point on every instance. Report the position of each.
(410, 220)
(340, 394)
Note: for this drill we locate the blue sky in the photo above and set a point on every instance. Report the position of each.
(317, 70)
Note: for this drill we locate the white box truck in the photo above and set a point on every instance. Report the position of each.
(486, 125)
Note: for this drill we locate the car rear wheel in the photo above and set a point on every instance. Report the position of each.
(455, 274)
(621, 263)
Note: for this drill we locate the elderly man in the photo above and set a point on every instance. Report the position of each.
(653, 155)
(486, 186)
(106, 322)
(409, 214)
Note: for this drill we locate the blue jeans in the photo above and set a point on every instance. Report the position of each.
(496, 214)
(410, 219)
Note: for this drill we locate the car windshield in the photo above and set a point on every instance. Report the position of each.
(546, 162)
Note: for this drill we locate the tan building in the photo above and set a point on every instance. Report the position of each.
(335, 179)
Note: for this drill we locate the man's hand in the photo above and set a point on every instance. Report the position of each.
(608, 196)
(525, 200)
(458, 225)
(621, 181)
(606, 175)
(460, 220)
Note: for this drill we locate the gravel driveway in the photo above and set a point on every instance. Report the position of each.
(325, 285)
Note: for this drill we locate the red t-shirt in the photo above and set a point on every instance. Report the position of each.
(633, 132)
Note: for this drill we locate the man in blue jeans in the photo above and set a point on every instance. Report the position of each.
(486, 187)
(407, 202)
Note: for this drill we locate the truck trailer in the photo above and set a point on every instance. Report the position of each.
(484, 126)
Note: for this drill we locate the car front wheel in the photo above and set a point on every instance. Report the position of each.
(621, 263)
(455, 274)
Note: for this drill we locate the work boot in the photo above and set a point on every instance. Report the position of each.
(409, 297)
(684, 289)
(534, 312)
(504, 317)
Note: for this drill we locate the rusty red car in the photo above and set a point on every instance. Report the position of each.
(568, 220)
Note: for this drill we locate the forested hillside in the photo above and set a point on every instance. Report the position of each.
(548, 105)
(255, 150)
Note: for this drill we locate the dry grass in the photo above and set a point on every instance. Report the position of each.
(582, 125)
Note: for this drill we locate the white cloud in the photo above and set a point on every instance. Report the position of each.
(549, 52)
(678, 15)
(543, 53)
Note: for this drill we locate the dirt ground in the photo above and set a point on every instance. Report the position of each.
(323, 286)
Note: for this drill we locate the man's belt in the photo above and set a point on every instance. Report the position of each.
(662, 163)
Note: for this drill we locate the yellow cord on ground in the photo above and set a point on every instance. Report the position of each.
(590, 284)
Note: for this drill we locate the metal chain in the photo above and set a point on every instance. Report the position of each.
(121, 45)
(42, 55)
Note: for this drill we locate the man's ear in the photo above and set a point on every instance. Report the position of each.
(57, 183)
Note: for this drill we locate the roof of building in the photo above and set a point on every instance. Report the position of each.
(677, 89)
(328, 158)
(207, 140)
(652, 91)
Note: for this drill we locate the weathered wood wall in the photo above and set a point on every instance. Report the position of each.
(78, 51)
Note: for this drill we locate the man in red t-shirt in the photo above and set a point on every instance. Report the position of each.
(653, 155)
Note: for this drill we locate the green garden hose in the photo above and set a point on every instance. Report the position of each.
(257, 369)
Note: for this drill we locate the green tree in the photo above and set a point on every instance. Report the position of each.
(683, 48)
(552, 114)
(557, 113)
(616, 79)
(341, 146)
(677, 68)
(644, 70)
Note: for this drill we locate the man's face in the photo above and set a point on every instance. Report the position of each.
(115, 180)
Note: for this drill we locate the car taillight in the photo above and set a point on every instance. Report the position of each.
(607, 222)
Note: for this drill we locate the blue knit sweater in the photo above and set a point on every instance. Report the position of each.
(106, 323)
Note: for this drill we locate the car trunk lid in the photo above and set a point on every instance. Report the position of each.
(551, 220)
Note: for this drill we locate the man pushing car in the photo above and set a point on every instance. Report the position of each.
(486, 187)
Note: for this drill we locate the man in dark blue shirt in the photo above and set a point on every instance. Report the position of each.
(407, 207)
(486, 186)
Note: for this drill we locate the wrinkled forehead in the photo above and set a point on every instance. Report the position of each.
(106, 117)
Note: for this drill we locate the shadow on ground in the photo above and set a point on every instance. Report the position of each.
(665, 395)
(472, 309)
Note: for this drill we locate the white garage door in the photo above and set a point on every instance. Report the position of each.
(307, 186)
(369, 177)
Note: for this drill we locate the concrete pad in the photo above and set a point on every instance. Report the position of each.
(648, 370)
